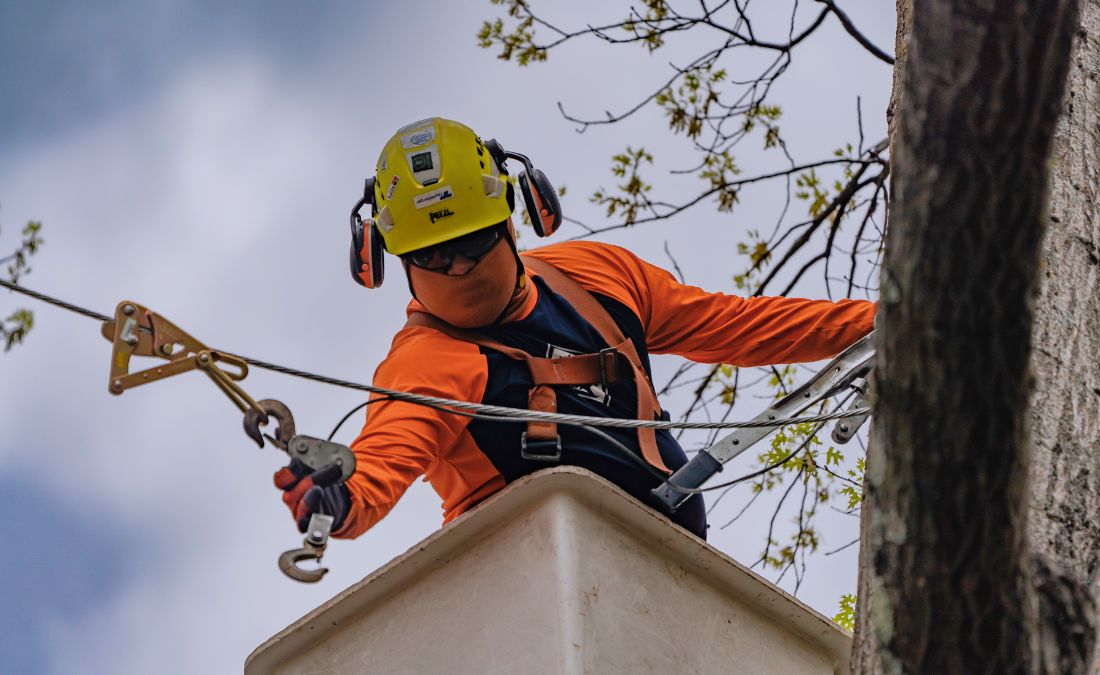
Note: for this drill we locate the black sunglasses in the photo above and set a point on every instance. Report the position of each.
(474, 246)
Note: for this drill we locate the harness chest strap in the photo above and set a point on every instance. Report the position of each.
(620, 361)
(545, 372)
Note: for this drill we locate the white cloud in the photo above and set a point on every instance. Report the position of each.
(202, 204)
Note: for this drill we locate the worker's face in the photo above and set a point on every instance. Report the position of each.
(466, 289)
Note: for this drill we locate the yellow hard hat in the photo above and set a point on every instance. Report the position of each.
(436, 181)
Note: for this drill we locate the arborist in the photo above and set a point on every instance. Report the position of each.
(566, 327)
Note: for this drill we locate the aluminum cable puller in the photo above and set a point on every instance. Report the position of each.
(848, 371)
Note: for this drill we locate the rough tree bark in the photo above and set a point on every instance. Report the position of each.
(1065, 410)
(954, 584)
(864, 656)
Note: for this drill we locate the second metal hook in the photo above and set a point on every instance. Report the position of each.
(253, 420)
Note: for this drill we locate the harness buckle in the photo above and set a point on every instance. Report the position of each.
(604, 365)
(540, 451)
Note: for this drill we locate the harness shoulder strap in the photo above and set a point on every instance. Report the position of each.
(576, 295)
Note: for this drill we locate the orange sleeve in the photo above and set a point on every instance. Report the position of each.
(714, 327)
(401, 441)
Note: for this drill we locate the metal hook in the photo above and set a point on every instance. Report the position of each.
(313, 547)
(288, 563)
(253, 420)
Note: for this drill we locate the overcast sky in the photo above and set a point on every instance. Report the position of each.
(200, 158)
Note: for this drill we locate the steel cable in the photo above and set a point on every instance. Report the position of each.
(451, 405)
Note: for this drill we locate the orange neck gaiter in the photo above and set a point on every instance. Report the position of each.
(484, 295)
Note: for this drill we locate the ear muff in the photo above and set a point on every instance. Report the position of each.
(541, 202)
(539, 197)
(368, 269)
(366, 261)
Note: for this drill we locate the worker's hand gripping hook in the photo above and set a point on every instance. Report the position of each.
(315, 453)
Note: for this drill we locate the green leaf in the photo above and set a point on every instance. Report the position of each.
(21, 320)
(854, 496)
(846, 617)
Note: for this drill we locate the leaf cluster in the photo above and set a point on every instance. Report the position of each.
(15, 326)
(633, 191)
(846, 617)
(517, 42)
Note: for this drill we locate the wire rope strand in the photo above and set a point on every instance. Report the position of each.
(451, 405)
(54, 301)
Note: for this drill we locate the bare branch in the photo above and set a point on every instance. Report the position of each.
(675, 265)
(835, 206)
(854, 32)
(863, 225)
(674, 210)
(838, 550)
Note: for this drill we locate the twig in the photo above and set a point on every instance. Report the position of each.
(675, 265)
(838, 550)
(854, 32)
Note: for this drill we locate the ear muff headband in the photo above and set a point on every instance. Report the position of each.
(498, 154)
(366, 260)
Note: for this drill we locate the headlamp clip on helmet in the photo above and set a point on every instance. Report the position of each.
(539, 199)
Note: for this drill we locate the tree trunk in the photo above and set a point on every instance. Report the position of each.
(1065, 410)
(864, 654)
(953, 584)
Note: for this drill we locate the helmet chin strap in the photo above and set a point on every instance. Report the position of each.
(521, 274)
(510, 235)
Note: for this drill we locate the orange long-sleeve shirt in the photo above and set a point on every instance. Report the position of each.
(465, 462)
